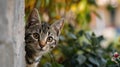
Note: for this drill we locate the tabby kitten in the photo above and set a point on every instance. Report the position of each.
(40, 38)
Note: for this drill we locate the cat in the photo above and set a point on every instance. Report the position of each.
(40, 37)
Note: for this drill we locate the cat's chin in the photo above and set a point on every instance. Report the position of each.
(43, 49)
(40, 49)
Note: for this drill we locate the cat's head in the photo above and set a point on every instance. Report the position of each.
(41, 36)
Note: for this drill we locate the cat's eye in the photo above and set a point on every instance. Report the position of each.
(50, 39)
(36, 35)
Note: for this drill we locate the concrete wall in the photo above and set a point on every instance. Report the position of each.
(12, 33)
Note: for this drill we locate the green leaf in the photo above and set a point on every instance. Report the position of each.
(88, 17)
(102, 62)
(93, 34)
(52, 64)
(88, 36)
(71, 35)
(81, 32)
(47, 65)
(62, 38)
(81, 59)
(100, 38)
(92, 2)
(55, 64)
(94, 61)
(109, 62)
(67, 51)
(89, 65)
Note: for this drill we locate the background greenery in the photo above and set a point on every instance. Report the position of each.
(78, 46)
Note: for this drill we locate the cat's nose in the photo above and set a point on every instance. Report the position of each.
(42, 44)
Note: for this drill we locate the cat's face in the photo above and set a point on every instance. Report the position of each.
(40, 36)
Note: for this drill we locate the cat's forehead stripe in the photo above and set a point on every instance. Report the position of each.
(45, 27)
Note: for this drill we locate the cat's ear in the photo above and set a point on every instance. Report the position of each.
(34, 18)
(58, 25)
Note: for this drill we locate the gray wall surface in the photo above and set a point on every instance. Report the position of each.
(12, 33)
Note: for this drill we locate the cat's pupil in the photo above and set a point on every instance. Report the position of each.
(50, 39)
(36, 35)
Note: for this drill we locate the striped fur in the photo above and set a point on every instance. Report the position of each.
(40, 38)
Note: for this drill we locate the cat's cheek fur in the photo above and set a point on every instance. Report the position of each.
(36, 46)
(51, 45)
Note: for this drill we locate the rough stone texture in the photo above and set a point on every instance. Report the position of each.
(12, 33)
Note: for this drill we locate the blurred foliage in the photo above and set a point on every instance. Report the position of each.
(82, 49)
(77, 46)
(77, 11)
